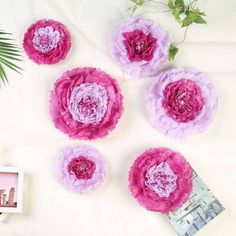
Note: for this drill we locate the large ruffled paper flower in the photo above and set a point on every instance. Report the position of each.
(47, 42)
(181, 101)
(81, 168)
(86, 103)
(161, 180)
(140, 46)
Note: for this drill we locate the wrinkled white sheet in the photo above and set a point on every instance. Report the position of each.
(28, 138)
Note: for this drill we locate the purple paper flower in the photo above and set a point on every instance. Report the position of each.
(181, 101)
(47, 42)
(81, 168)
(140, 46)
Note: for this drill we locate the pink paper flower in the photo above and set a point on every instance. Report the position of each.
(140, 46)
(86, 103)
(181, 101)
(161, 180)
(47, 42)
(81, 168)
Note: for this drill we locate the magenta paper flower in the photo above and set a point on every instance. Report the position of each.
(181, 101)
(140, 46)
(161, 180)
(47, 42)
(81, 168)
(86, 103)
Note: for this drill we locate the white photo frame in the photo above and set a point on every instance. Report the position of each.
(11, 190)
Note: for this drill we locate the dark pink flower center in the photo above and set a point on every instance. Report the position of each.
(81, 167)
(183, 100)
(139, 46)
(44, 40)
(88, 106)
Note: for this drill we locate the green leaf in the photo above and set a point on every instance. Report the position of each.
(198, 12)
(3, 76)
(199, 20)
(2, 32)
(187, 21)
(138, 2)
(191, 15)
(10, 65)
(170, 4)
(176, 15)
(9, 54)
(173, 50)
(132, 9)
(14, 58)
(179, 3)
(9, 48)
(5, 39)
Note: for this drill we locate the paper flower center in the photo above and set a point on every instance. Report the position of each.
(88, 103)
(139, 46)
(183, 100)
(81, 167)
(46, 39)
(161, 179)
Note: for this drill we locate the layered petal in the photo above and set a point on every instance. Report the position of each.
(47, 42)
(140, 46)
(85, 103)
(81, 168)
(180, 102)
(174, 177)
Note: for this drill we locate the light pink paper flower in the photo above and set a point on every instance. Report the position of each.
(86, 103)
(81, 168)
(140, 46)
(161, 180)
(181, 101)
(47, 42)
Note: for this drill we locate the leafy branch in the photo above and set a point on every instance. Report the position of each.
(184, 14)
(9, 53)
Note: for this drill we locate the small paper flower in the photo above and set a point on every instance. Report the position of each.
(47, 42)
(86, 103)
(140, 46)
(161, 180)
(81, 168)
(181, 101)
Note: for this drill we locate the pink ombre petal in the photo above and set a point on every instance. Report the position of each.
(159, 51)
(145, 195)
(64, 117)
(60, 46)
(70, 181)
(158, 114)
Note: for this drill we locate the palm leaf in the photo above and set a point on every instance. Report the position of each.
(10, 54)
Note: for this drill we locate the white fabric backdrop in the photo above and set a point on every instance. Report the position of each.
(28, 138)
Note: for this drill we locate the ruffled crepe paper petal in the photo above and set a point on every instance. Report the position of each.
(159, 116)
(60, 111)
(154, 53)
(146, 196)
(69, 180)
(52, 46)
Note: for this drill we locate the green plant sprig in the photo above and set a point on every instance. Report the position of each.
(9, 53)
(184, 14)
